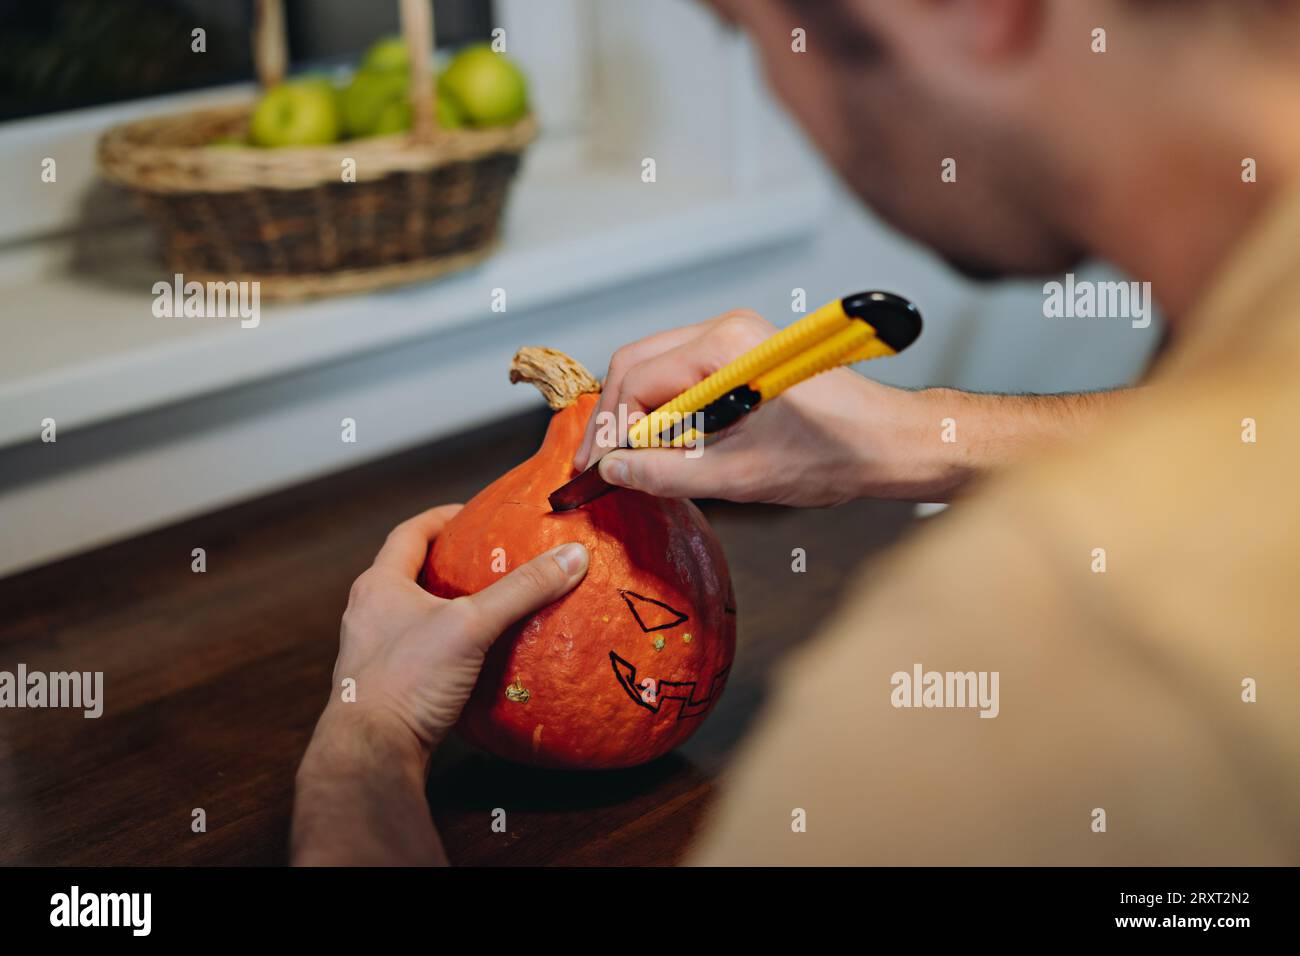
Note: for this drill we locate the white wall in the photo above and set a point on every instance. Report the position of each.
(723, 145)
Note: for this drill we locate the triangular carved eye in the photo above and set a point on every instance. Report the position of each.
(650, 614)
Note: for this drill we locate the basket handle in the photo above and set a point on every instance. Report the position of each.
(417, 29)
(270, 51)
(271, 55)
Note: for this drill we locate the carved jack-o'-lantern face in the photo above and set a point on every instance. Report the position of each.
(694, 696)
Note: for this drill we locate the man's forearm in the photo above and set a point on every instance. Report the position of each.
(958, 437)
(359, 797)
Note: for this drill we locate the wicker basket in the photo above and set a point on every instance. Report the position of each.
(422, 204)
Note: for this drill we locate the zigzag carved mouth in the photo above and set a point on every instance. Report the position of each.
(683, 691)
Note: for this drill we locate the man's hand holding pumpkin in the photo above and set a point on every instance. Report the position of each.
(414, 659)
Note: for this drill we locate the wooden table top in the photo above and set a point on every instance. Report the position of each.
(213, 681)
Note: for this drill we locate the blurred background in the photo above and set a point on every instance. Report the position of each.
(161, 419)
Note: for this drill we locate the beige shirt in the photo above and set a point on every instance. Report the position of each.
(1119, 691)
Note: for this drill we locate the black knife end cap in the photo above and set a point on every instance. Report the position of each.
(896, 320)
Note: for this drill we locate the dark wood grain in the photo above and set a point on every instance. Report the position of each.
(213, 681)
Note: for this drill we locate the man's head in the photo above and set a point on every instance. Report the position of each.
(1052, 139)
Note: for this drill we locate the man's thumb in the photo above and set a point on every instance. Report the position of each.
(663, 472)
(546, 578)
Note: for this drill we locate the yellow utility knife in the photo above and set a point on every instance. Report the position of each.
(853, 329)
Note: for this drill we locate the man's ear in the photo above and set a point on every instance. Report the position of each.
(980, 31)
(993, 29)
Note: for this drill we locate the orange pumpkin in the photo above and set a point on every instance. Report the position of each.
(627, 665)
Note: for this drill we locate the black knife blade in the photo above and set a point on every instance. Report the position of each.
(588, 486)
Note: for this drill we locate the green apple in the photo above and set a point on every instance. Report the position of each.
(489, 89)
(396, 117)
(324, 82)
(299, 113)
(448, 112)
(399, 116)
(366, 97)
(387, 55)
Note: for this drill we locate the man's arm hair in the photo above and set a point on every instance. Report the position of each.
(974, 434)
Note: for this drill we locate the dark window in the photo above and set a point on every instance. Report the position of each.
(66, 54)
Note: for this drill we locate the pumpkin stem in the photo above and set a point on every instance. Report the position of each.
(559, 378)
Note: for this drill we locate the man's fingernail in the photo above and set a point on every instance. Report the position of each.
(614, 470)
(571, 558)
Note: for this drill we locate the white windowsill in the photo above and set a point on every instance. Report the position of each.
(84, 347)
